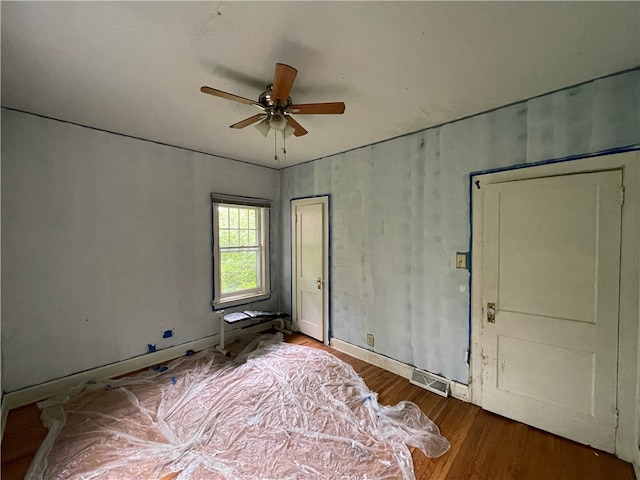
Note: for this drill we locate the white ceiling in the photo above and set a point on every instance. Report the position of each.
(136, 67)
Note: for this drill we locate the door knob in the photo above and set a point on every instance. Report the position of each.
(491, 312)
(319, 283)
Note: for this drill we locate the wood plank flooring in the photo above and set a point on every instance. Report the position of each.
(483, 445)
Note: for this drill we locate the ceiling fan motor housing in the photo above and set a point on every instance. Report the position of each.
(268, 102)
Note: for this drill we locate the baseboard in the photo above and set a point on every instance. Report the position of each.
(39, 392)
(636, 464)
(5, 412)
(373, 358)
(458, 390)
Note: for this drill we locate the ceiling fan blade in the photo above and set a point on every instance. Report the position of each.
(229, 96)
(282, 82)
(249, 121)
(298, 129)
(314, 108)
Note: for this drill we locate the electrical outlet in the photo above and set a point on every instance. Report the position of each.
(370, 339)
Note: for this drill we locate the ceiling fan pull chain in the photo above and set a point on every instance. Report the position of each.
(284, 146)
(275, 145)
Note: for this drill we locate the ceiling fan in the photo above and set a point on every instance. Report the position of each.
(276, 105)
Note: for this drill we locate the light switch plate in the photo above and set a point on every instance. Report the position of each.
(461, 260)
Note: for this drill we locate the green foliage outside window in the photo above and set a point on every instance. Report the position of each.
(238, 271)
(239, 259)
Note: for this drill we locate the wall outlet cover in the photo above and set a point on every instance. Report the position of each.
(370, 340)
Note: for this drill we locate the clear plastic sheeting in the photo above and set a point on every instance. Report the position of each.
(280, 411)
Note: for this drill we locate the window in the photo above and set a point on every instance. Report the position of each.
(240, 250)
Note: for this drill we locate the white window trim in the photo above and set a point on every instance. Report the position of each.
(247, 296)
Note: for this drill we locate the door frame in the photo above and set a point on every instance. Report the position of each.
(299, 202)
(628, 381)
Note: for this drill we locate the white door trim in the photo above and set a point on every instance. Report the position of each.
(324, 201)
(628, 433)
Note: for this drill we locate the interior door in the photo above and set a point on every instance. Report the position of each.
(550, 298)
(309, 269)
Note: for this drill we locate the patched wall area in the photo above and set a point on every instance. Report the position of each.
(400, 211)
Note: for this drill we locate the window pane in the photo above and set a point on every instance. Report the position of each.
(252, 238)
(238, 271)
(252, 218)
(244, 218)
(234, 238)
(244, 238)
(233, 217)
(224, 238)
(223, 217)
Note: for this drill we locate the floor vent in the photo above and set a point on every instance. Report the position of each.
(431, 382)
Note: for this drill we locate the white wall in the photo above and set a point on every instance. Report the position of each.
(106, 243)
(400, 211)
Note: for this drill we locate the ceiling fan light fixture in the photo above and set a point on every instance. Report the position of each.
(288, 130)
(278, 122)
(263, 127)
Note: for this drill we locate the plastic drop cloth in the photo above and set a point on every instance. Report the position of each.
(280, 411)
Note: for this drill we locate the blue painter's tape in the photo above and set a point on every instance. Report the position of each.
(167, 334)
(173, 380)
(189, 353)
(151, 348)
(160, 368)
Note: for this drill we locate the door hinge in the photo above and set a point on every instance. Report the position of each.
(621, 196)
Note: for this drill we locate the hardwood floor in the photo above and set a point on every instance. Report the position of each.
(483, 445)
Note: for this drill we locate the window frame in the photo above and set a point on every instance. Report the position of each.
(263, 292)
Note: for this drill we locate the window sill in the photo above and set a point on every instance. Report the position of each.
(236, 301)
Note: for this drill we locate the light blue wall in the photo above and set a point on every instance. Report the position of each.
(400, 211)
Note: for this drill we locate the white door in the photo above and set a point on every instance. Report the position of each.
(309, 266)
(551, 267)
